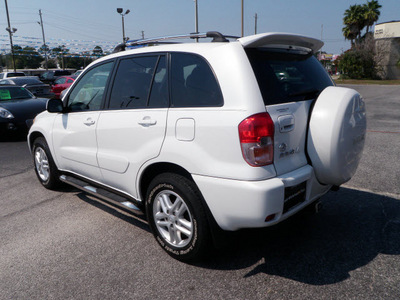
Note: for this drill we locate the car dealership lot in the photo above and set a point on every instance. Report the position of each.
(67, 245)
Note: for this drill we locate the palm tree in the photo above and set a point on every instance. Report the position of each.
(354, 21)
(349, 35)
(372, 13)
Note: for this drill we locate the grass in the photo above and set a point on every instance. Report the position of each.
(355, 81)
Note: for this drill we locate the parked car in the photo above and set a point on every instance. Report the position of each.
(18, 108)
(61, 83)
(32, 83)
(203, 137)
(78, 72)
(11, 74)
(51, 75)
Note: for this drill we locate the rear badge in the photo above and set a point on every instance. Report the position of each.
(283, 147)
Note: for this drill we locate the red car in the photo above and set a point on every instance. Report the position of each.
(61, 83)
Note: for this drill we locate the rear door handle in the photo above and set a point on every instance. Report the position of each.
(147, 121)
(89, 122)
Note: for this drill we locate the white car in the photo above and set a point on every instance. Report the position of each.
(4, 75)
(203, 136)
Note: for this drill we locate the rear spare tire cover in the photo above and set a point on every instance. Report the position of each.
(336, 134)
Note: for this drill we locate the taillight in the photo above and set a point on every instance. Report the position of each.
(256, 134)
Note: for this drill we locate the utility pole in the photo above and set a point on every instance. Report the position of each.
(10, 32)
(255, 23)
(242, 18)
(142, 34)
(196, 19)
(320, 51)
(44, 40)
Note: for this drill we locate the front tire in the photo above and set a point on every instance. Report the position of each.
(176, 216)
(45, 168)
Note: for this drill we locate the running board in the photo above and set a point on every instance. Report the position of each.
(101, 194)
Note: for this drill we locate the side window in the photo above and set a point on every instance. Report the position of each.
(132, 82)
(70, 81)
(193, 83)
(88, 93)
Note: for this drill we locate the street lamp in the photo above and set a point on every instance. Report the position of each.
(120, 11)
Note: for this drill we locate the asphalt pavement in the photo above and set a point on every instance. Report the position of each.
(68, 245)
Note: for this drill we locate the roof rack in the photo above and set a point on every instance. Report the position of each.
(216, 36)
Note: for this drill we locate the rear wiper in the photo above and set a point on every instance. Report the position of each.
(310, 92)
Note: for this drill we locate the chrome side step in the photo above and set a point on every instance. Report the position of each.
(102, 194)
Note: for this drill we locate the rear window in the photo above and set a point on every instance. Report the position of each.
(287, 77)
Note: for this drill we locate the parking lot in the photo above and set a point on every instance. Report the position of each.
(68, 245)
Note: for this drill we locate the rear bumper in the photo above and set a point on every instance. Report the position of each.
(239, 204)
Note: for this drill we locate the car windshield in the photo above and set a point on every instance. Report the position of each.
(285, 76)
(22, 81)
(10, 93)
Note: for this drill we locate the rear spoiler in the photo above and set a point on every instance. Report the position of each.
(266, 39)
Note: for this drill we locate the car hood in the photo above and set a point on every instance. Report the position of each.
(25, 109)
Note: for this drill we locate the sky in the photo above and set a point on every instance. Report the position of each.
(83, 24)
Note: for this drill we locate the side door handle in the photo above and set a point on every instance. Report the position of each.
(89, 122)
(147, 121)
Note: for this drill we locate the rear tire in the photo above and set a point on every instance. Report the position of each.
(176, 216)
(45, 168)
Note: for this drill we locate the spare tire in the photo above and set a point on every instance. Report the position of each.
(336, 135)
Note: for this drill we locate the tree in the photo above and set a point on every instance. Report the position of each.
(359, 62)
(357, 17)
(44, 48)
(30, 58)
(97, 51)
(354, 20)
(372, 13)
(59, 52)
(349, 35)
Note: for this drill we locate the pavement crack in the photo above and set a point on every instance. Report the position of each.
(17, 173)
(30, 207)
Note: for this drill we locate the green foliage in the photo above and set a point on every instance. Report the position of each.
(97, 51)
(75, 62)
(357, 17)
(358, 64)
(26, 57)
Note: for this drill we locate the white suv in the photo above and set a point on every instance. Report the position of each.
(203, 136)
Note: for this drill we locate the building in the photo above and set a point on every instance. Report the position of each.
(387, 42)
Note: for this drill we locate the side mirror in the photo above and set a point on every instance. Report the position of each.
(55, 106)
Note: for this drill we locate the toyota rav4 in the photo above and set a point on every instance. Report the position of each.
(204, 136)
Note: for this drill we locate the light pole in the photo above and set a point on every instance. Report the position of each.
(242, 18)
(120, 11)
(196, 18)
(44, 40)
(10, 32)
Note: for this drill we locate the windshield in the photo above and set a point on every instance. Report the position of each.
(285, 76)
(21, 81)
(14, 93)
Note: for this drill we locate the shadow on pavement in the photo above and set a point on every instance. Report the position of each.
(12, 137)
(350, 231)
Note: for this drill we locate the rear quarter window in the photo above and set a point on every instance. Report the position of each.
(193, 83)
(287, 77)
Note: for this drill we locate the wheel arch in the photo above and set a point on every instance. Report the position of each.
(155, 169)
(32, 137)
